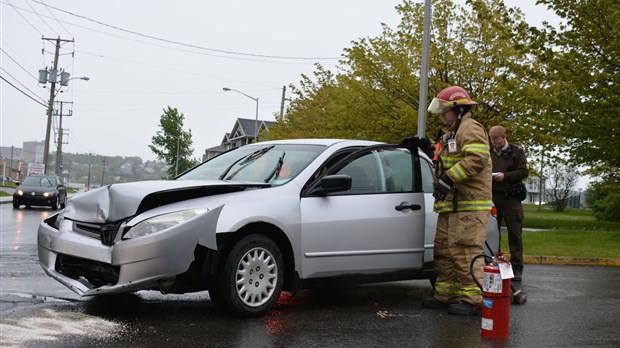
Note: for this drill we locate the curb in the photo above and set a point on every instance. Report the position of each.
(579, 261)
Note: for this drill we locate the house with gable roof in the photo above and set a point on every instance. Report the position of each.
(243, 133)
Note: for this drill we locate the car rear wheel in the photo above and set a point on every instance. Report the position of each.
(252, 278)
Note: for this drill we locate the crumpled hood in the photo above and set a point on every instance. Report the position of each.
(118, 201)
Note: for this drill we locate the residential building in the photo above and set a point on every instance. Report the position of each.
(243, 132)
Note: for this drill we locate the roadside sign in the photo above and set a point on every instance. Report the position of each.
(36, 169)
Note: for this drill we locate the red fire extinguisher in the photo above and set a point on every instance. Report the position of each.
(495, 302)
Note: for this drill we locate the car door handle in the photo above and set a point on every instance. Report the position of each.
(405, 205)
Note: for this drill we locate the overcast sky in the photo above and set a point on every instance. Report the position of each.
(142, 56)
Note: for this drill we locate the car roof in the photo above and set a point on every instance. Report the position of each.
(317, 141)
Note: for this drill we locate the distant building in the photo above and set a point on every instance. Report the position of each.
(32, 151)
(11, 162)
(533, 185)
(11, 153)
(243, 132)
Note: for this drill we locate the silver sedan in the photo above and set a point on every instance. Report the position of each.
(252, 222)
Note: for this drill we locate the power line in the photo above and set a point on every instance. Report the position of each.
(14, 78)
(185, 44)
(17, 88)
(41, 18)
(24, 18)
(16, 62)
(59, 22)
(242, 58)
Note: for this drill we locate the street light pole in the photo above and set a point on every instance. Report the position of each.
(226, 89)
(176, 170)
(424, 70)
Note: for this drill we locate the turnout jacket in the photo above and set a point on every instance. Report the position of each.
(469, 166)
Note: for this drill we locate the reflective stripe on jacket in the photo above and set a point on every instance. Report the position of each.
(469, 167)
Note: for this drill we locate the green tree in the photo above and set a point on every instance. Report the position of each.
(582, 59)
(375, 93)
(604, 199)
(172, 144)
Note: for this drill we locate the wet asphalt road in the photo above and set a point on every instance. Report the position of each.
(568, 306)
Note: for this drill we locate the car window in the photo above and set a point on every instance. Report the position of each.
(397, 170)
(427, 176)
(363, 173)
(275, 164)
(48, 182)
(43, 181)
(31, 181)
(380, 171)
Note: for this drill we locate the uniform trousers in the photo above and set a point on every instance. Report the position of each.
(510, 210)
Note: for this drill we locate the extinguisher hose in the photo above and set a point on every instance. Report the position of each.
(471, 267)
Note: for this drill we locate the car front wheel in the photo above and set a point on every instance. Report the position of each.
(252, 278)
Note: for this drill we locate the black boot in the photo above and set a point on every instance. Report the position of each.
(433, 303)
(464, 308)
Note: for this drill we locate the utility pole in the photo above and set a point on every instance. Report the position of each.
(88, 182)
(51, 78)
(11, 164)
(60, 141)
(102, 171)
(282, 103)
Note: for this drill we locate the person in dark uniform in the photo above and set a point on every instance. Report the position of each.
(509, 170)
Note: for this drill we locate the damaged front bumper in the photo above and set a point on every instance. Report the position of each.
(89, 267)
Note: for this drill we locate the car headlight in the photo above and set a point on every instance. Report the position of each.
(162, 222)
(19, 192)
(46, 194)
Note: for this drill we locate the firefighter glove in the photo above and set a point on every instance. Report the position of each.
(442, 187)
(413, 142)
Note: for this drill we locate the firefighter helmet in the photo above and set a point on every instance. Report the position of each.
(448, 98)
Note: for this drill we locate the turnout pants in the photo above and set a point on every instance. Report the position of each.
(460, 236)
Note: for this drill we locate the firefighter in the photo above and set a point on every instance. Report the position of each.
(510, 168)
(463, 200)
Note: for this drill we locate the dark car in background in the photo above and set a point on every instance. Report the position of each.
(41, 190)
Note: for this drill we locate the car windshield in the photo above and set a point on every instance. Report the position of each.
(274, 164)
(39, 181)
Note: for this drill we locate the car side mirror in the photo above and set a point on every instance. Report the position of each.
(331, 184)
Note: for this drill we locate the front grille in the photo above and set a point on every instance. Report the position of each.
(89, 230)
(106, 233)
(96, 273)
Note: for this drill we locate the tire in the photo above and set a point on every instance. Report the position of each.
(63, 204)
(15, 205)
(252, 278)
(55, 206)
